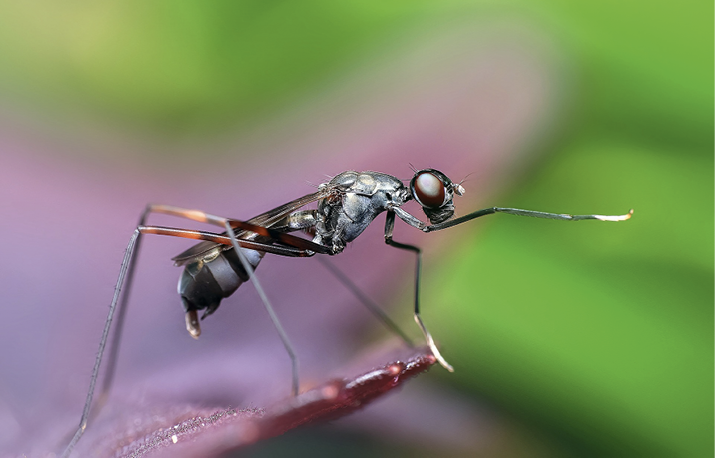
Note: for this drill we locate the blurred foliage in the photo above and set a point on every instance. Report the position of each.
(598, 335)
(176, 67)
(600, 332)
(603, 334)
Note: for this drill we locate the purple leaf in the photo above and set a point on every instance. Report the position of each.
(194, 431)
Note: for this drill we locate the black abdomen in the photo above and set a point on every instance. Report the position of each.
(217, 275)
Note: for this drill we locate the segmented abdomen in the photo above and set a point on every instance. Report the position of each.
(205, 282)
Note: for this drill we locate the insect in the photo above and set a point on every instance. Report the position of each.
(346, 205)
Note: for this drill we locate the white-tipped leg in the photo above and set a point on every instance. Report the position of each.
(611, 218)
(562, 216)
(432, 346)
(412, 221)
(389, 226)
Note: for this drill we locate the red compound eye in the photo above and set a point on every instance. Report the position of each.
(429, 190)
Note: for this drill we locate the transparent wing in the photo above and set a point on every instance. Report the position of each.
(266, 219)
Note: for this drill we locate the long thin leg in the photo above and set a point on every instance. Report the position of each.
(389, 227)
(267, 304)
(415, 222)
(102, 342)
(126, 262)
(366, 301)
(531, 213)
(111, 364)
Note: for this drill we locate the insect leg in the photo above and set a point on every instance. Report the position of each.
(389, 227)
(111, 364)
(102, 343)
(366, 301)
(415, 222)
(519, 212)
(267, 304)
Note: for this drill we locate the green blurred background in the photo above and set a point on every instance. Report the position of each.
(616, 361)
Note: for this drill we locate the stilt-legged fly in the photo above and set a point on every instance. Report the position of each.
(346, 205)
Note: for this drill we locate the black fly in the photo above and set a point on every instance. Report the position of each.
(347, 204)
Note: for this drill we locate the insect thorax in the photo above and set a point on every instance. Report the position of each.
(358, 198)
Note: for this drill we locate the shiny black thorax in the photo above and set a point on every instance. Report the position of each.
(358, 198)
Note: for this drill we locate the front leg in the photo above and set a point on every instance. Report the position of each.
(389, 226)
(415, 222)
(520, 212)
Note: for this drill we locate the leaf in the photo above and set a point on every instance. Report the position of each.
(195, 431)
